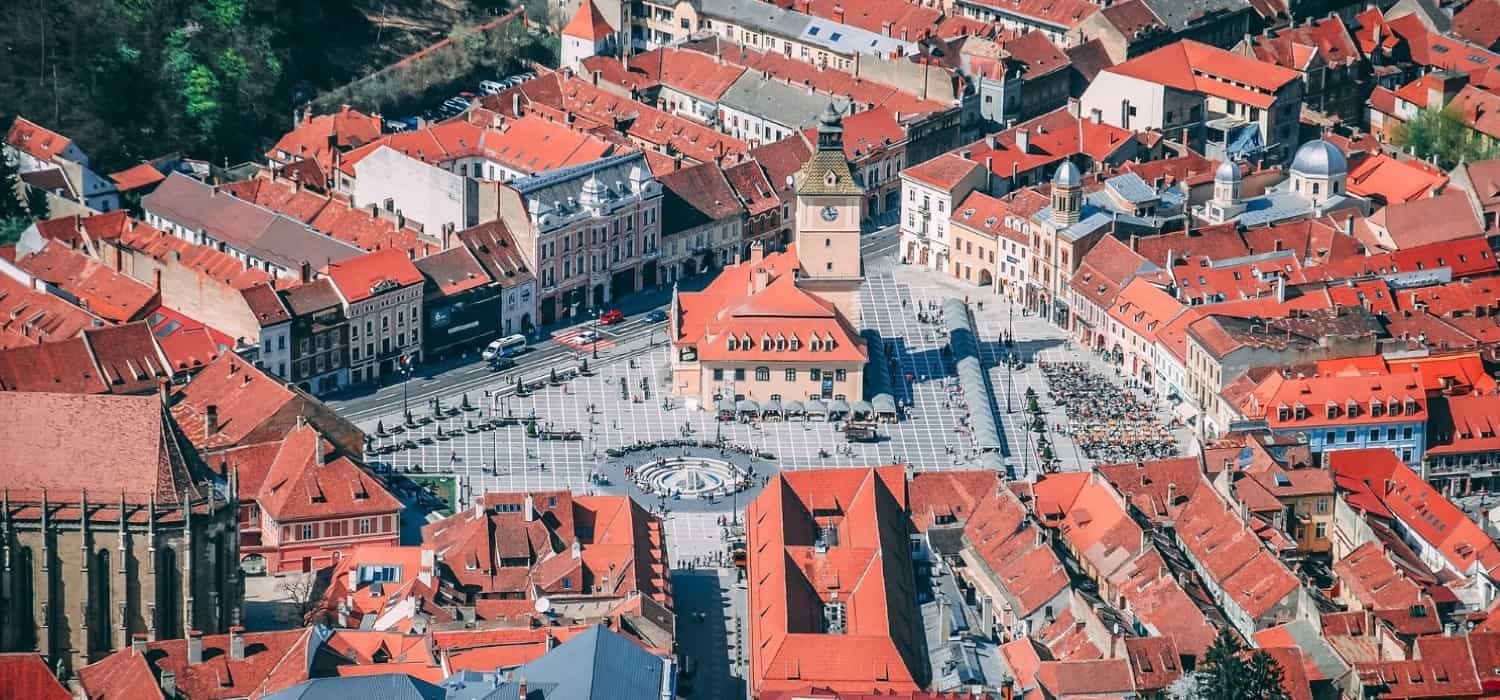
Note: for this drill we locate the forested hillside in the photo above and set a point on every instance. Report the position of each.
(216, 79)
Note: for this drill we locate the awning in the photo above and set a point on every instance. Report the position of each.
(862, 408)
(817, 406)
(748, 406)
(838, 406)
(772, 406)
(884, 403)
(794, 407)
(726, 405)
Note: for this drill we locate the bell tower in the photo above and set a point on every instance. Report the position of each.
(827, 219)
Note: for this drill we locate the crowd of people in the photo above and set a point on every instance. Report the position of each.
(1105, 421)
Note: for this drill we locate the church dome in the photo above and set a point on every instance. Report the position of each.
(1228, 172)
(1067, 175)
(1319, 158)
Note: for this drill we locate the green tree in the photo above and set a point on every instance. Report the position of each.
(36, 204)
(1226, 674)
(13, 215)
(1442, 133)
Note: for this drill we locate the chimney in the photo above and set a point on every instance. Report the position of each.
(596, 77)
(527, 508)
(762, 279)
(138, 643)
(1023, 140)
(885, 28)
(757, 252)
(306, 272)
(521, 687)
(1171, 494)
(210, 420)
(195, 647)
(156, 279)
(515, 103)
(577, 549)
(168, 684)
(989, 174)
(838, 13)
(236, 643)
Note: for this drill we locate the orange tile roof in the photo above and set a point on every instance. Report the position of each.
(1051, 138)
(136, 177)
(690, 72)
(358, 278)
(31, 317)
(319, 138)
(951, 496)
(1062, 14)
(1232, 554)
(25, 675)
(588, 23)
(528, 144)
(114, 296)
(36, 141)
(1194, 67)
(867, 571)
(1372, 578)
(213, 265)
(989, 216)
(1378, 474)
(800, 73)
(1144, 308)
(943, 172)
(730, 308)
(1388, 180)
(1296, 47)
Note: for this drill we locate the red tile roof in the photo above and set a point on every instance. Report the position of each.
(1194, 67)
(307, 481)
(31, 317)
(1229, 552)
(272, 661)
(53, 444)
(320, 138)
(690, 72)
(1370, 577)
(1071, 679)
(989, 216)
(453, 271)
(495, 248)
(252, 407)
(25, 675)
(1464, 425)
(1144, 308)
(867, 571)
(1297, 47)
(36, 141)
(499, 549)
(1436, 50)
(136, 177)
(527, 144)
(214, 266)
(1379, 475)
(731, 308)
(128, 357)
(114, 296)
(1387, 180)
(1064, 14)
(947, 497)
(362, 277)
(1051, 137)
(943, 172)
(588, 24)
(1479, 22)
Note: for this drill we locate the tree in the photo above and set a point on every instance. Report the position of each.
(1225, 674)
(13, 215)
(1442, 133)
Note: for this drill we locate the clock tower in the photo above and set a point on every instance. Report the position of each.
(827, 216)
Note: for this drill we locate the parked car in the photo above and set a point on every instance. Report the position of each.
(501, 363)
(589, 336)
(490, 87)
(611, 317)
(656, 316)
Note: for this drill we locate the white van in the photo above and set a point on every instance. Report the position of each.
(490, 87)
(505, 347)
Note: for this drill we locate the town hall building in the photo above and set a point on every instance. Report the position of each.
(784, 327)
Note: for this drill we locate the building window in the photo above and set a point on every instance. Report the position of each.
(838, 375)
(1406, 433)
(1321, 531)
(762, 374)
(791, 375)
(307, 532)
(739, 374)
(1322, 505)
(364, 526)
(1349, 436)
(718, 374)
(815, 374)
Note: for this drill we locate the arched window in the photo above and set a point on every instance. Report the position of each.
(168, 594)
(101, 628)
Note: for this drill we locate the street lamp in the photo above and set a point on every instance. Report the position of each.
(595, 345)
(405, 375)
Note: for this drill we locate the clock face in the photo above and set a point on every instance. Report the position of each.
(830, 213)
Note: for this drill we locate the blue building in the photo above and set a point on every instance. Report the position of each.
(1347, 411)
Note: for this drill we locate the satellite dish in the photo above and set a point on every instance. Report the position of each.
(542, 605)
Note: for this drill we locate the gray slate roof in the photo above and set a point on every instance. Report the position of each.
(385, 686)
(243, 225)
(621, 176)
(773, 100)
(599, 665)
(1178, 14)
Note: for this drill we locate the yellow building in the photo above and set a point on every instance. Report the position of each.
(783, 327)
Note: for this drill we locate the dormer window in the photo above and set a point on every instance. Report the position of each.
(780, 343)
(1283, 412)
(1392, 407)
(1411, 406)
(1333, 409)
(796, 344)
(734, 343)
(765, 343)
(1377, 409)
(817, 345)
(1301, 413)
(1352, 408)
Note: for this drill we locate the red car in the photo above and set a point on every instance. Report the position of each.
(611, 317)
